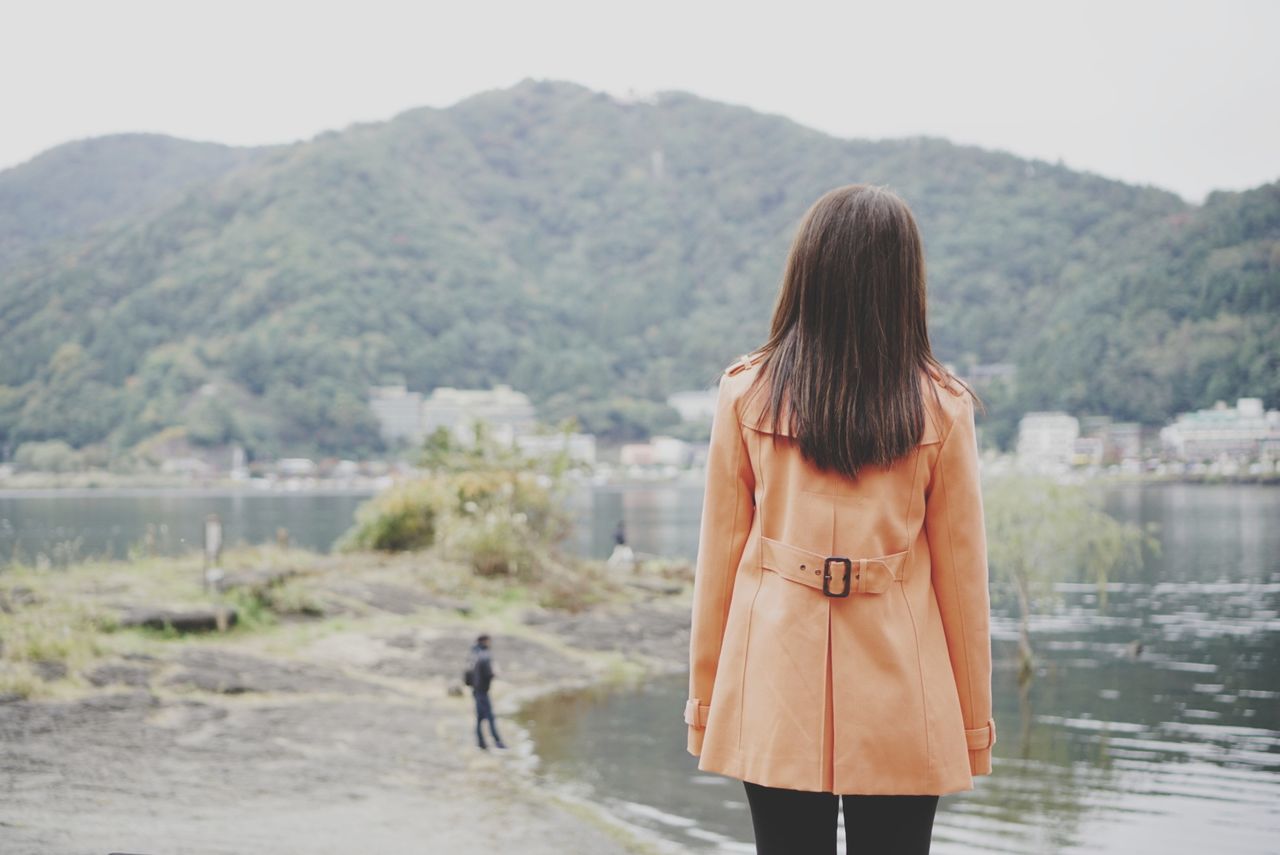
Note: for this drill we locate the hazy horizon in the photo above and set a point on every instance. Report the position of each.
(1172, 95)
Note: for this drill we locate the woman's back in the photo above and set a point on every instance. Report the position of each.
(840, 624)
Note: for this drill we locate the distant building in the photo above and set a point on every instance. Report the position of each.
(186, 466)
(1047, 440)
(399, 412)
(695, 406)
(671, 451)
(1103, 441)
(1242, 432)
(579, 446)
(507, 412)
(297, 466)
(1088, 451)
(658, 451)
(345, 469)
(1125, 440)
(239, 469)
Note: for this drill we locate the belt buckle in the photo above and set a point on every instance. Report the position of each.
(826, 574)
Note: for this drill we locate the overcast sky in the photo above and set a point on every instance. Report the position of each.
(1176, 94)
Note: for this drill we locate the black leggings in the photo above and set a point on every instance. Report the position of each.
(799, 822)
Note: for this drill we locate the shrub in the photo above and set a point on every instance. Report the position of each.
(404, 517)
(496, 542)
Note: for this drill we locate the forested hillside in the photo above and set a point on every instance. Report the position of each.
(597, 254)
(73, 188)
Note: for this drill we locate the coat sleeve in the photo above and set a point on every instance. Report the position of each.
(958, 554)
(728, 506)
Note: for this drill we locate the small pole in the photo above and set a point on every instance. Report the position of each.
(212, 550)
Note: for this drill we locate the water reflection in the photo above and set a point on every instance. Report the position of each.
(68, 524)
(1153, 725)
(660, 520)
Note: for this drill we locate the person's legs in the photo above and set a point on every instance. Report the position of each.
(484, 712)
(482, 706)
(493, 724)
(792, 822)
(889, 825)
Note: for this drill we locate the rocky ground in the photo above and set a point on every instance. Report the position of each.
(339, 730)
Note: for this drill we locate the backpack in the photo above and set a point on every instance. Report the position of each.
(469, 674)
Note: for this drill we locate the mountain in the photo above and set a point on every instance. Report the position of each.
(600, 254)
(75, 187)
(1189, 314)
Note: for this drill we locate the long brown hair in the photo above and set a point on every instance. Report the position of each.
(849, 344)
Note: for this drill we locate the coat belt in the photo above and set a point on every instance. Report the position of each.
(869, 575)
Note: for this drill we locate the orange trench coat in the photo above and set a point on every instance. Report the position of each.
(884, 691)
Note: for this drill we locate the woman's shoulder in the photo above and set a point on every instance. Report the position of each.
(739, 377)
(950, 399)
(747, 362)
(738, 387)
(946, 381)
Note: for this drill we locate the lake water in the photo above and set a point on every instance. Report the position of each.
(1173, 750)
(66, 524)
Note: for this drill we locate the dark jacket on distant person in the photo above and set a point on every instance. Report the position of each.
(482, 668)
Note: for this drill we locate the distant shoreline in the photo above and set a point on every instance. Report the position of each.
(363, 487)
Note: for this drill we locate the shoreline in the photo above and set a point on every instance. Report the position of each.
(93, 484)
(335, 733)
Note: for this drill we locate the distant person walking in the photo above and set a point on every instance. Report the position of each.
(481, 675)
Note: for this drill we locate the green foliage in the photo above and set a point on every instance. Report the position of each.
(292, 597)
(403, 517)
(485, 475)
(42, 630)
(1182, 314)
(254, 609)
(483, 503)
(497, 541)
(69, 189)
(1041, 532)
(528, 236)
(50, 456)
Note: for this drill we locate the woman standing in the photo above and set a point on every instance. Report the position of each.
(840, 623)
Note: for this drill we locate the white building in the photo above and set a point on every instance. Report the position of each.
(1047, 440)
(1242, 432)
(658, 451)
(579, 446)
(507, 412)
(297, 466)
(670, 451)
(399, 412)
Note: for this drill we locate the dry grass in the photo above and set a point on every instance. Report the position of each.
(56, 621)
